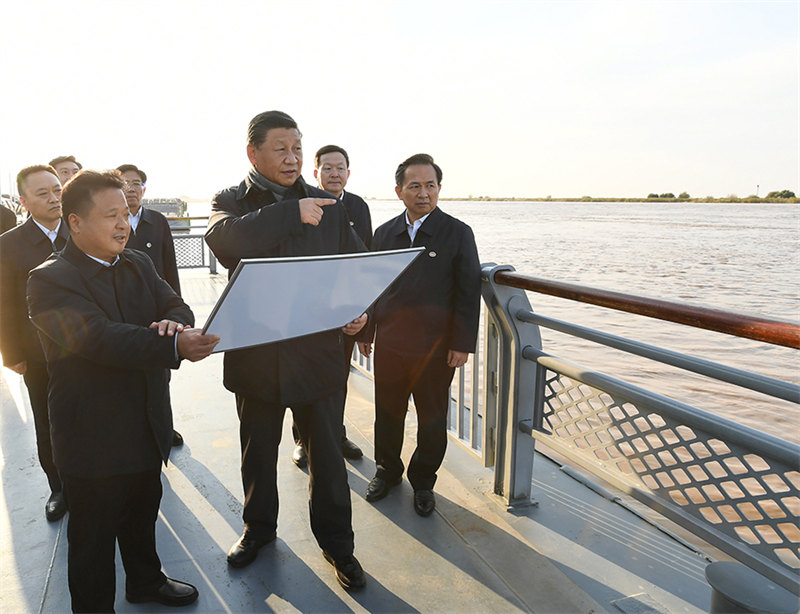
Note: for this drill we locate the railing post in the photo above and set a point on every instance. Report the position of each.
(517, 392)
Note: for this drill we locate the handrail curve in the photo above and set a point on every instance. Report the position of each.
(777, 332)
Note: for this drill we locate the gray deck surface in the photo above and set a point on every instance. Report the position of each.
(573, 552)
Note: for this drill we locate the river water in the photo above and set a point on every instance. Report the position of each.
(736, 257)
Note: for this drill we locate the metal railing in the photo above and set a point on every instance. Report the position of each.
(735, 487)
(191, 251)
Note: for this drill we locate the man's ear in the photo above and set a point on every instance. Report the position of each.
(74, 223)
(251, 154)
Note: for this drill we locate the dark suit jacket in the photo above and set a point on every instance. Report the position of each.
(154, 238)
(360, 219)
(8, 219)
(435, 305)
(247, 222)
(21, 249)
(109, 397)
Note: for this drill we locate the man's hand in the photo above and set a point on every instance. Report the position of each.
(167, 327)
(456, 359)
(194, 345)
(364, 348)
(311, 209)
(20, 367)
(351, 328)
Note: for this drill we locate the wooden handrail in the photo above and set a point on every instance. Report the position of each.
(777, 332)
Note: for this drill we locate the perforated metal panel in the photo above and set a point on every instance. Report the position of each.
(748, 497)
(190, 252)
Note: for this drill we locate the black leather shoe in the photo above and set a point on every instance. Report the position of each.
(56, 506)
(245, 551)
(351, 450)
(424, 502)
(172, 592)
(378, 488)
(177, 439)
(299, 456)
(348, 571)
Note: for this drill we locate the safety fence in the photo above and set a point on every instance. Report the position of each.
(733, 486)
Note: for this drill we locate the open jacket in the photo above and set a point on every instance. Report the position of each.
(434, 306)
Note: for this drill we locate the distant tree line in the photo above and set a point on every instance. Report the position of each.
(681, 196)
(782, 194)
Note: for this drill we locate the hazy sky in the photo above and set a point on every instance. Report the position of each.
(511, 98)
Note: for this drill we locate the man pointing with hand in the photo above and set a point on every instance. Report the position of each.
(274, 213)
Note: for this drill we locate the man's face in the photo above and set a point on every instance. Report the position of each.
(66, 170)
(104, 231)
(42, 197)
(134, 190)
(280, 157)
(332, 173)
(420, 190)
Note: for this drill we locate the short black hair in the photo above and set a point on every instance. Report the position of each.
(78, 194)
(417, 159)
(61, 159)
(266, 121)
(22, 176)
(330, 149)
(124, 168)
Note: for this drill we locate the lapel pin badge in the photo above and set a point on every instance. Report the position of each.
(149, 244)
(432, 254)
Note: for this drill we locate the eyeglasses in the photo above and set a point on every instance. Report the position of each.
(133, 184)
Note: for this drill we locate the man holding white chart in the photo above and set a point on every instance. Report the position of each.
(274, 213)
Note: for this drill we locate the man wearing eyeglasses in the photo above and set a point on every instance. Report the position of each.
(150, 234)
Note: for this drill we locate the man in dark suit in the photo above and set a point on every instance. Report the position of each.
(332, 170)
(150, 233)
(22, 249)
(427, 325)
(110, 328)
(274, 213)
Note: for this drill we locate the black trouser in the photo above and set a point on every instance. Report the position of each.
(103, 511)
(349, 344)
(427, 378)
(36, 380)
(319, 424)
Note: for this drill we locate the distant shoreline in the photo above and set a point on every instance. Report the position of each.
(587, 199)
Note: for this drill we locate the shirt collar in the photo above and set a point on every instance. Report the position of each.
(135, 219)
(50, 234)
(103, 262)
(418, 223)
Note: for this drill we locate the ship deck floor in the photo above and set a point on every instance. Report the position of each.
(573, 551)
